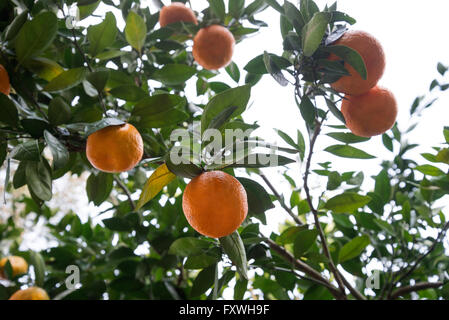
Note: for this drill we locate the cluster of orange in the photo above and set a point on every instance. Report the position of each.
(20, 266)
(214, 203)
(368, 109)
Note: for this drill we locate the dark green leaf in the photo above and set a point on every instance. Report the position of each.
(233, 70)
(313, 32)
(347, 202)
(174, 74)
(128, 92)
(99, 186)
(346, 151)
(59, 111)
(347, 137)
(102, 35)
(59, 151)
(188, 246)
(35, 36)
(204, 280)
(234, 248)
(9, 114)
(39, 181)
(66, 80)
(303, 241)
(353, 248)
(350, 56)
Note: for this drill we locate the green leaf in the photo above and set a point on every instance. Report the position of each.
(222, 118)
(218, 8)
(36, 36)
(259, 200)
(303, 241)
(275, 5)
(99, 186)
(346, 151)
(59, 111)
(274, 70)
(237, 97)
(347, 137)
(353, 248)
(350, 56)
(13, 29)
(441, 68)
(387, 142)
(294, 16)
(201, 261)
(59, 151)
(234, 248)
(28, 150)
(261, 160)
(9, 114)
(236, 8)
(174, 74)
(307, 109)
(257, 65)
(347, 202)
(102, 35)
(335, 111)
(430, 170)
(313, 32)
(204, 280)
(233, 70)
(155, 183)
(38, 176)
(240, 288)
(45, 68)
(382, 186)
(88, 9)
(117, 224)
(188, 246)
(66, 80)
(39, 267)
(98, 79)
(128, 92)
(159, 110)
(135, 30)
(187, 170)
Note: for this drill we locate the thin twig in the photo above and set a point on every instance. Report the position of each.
(280, 199)
(302, 266)
(440, 236)
(125, 189)
(315, 212)
(402, 291)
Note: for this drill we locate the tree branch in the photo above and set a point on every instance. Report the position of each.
(439, 238)
(280, 199)
(125, 189)
(402, 291)
(334, 270)
(301, 266)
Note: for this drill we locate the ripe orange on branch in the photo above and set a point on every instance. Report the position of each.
(215, 204)
(213, 47)
(115, 148)
(372, 54)
(176, 12)
(371, 113)
(32, 293)
(5, 86)
(18, 265)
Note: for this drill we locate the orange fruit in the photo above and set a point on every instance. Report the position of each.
(32, 293)
(5, 86)
(371, 113)
(18, 264)
(371, 52)
(176, 12)
(215, 204)
(115, 148)
(213, 47)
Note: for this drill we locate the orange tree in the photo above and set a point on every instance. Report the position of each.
(126, 90)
